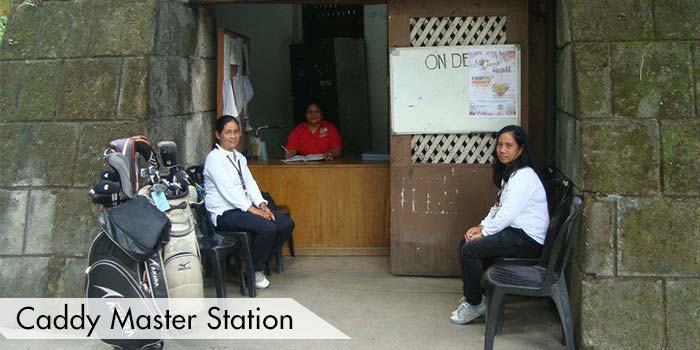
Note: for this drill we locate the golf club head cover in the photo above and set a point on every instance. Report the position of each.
(168, 154)
(107, 187)
(110, 175)
(121, 165)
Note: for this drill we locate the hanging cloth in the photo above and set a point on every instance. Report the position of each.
(230, 106)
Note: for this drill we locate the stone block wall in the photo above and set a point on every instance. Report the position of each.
(73, 75)
(627, 134)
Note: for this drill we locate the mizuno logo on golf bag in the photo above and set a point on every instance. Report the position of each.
(184, 266)
(109, 293)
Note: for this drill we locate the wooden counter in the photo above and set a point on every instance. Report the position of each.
(339, 207)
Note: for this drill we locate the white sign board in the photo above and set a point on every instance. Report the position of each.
(454, 89)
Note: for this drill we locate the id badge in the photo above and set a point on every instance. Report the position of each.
(160, 200)
(493, 211)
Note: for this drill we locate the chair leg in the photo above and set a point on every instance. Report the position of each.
(238, 265)
(499, 320)
(219, 265)
(290, 244)
(560, 295)
(495, 299)
(249, 268)
(278, 260)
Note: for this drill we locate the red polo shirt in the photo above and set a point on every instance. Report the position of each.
(323, 140)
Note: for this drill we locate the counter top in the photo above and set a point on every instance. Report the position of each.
(339, 162)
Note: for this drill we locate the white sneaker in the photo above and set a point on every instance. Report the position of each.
(261, 282)
(467, 312)
(462, 304)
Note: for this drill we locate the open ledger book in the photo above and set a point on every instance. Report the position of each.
(307, 158)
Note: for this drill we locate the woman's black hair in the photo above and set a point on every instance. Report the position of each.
(225, 119)
(502, 172)
(313, 102)
(221, 123)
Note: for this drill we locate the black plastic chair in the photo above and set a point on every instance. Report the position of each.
(284, 210)
(219, 246)
(557, 186)
(537, 280)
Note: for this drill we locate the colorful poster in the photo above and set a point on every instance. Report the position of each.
(493, 83)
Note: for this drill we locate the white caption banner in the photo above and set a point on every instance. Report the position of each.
(119, 318)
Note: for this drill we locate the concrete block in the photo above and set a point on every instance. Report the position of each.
(592, 80)
(658, 237)
(63, 222)
(203, 85)
(567, 145)
(199, 136)
(39, 154)
(170, 128)
(565, 84)
(133, 97)
(679, 146)
(206, 34)
(611, 20)
(695, 48)
(124, 27)
(94, 138)
(65, 29)
(622, 314)
(25, 277)
(563, 22)
(19, 40)
(169, 86)
(89, 89)
(176, 34)
(13, 212)
(37, 95)
(620, 157)
(652, 80)
(683, 300)
(595, 251)
(10, 73)
(74, 278)
(677, 19)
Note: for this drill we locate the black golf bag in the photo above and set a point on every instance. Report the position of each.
(125, 261)
(125, 258)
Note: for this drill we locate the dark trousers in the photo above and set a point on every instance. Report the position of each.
(509, 243)
(268, 235)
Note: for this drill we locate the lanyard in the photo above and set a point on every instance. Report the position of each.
(240, 174)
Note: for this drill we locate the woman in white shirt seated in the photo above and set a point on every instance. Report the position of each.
(234, 201)
(514, 227)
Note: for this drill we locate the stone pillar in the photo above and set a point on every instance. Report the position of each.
(74, 75)
(627, 134)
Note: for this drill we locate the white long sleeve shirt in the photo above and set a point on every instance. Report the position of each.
(223, 185)
(522, 204)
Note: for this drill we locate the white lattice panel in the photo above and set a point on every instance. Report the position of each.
(476, 148)
(472, 148)
(450, 31)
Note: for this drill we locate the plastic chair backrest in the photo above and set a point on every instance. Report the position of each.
(557, 186)
(203, 219)
(566, 216)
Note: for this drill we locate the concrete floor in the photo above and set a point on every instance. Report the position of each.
(376, 309)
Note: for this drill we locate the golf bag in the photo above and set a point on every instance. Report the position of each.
(125, 262)
(183, 267)
(125, 258)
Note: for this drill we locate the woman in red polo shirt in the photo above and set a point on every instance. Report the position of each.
(314, 136)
